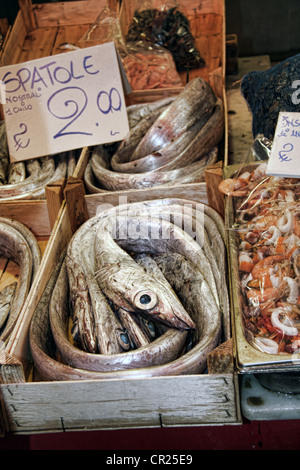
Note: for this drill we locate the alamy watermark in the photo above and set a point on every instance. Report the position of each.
(154, 222)
(296, 93)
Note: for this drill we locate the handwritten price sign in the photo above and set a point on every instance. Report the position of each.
(64, 102)
(285, 154)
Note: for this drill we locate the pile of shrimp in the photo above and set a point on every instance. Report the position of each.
(147, 71)
(267, 224)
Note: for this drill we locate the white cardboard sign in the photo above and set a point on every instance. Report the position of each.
(284, 159)
(64, 102)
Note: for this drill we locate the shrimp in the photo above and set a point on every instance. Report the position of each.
(257, 296)
(233, 187)
(265, 265)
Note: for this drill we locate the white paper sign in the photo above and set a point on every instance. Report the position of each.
(285, 154)
(64, 102)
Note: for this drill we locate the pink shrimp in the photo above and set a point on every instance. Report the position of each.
(233, 187)
(257, 296)
(262, 268)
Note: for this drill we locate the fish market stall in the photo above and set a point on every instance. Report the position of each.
(197, 388)
(171, 141)
(36, 33)
(262, 219)
(56, 373)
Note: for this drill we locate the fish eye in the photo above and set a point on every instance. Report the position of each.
(151, 328)
(145, 300)
(124, 340)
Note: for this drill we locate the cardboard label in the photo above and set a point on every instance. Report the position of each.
(284, 159)
(64, 102)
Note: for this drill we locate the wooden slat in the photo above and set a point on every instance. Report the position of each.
(213, 178)
(70, 35)
(109, 404)
(74, 193)
(26, 10)
(54, 196)
(69, 13)
(33, 214)
(38, 43)
(194, 191)
(14, 42)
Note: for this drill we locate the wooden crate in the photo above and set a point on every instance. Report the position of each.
(35, 216)
(37, 32)
(40, 406)
(40, 29)
(40, 216)
(207, 25)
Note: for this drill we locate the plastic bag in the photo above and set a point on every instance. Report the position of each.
(147, 66)
(266, 214)
(166, 25)
(106, 28)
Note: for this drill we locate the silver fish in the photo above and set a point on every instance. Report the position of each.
(170, 146)
(99, 175)
(60, 171)
(158, 357)
(129, 287)
(196, 101)
(6, 296)
(183, 150)
(163, 349)
(17, 173)
(137, 112)
(28, 179)
(137, 333)
(191, 362)
(14, 246)
(30, 239)
(110, 334)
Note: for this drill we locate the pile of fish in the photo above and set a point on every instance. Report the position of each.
(267, 227)
(141, 291)
(171, 141)
(28, 179)
(17, 243)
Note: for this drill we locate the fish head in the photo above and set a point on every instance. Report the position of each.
(161, 305)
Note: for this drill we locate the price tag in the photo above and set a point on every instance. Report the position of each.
(285, 154)
(64, 102)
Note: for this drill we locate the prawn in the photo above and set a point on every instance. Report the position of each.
(263, 267)
(232, 187)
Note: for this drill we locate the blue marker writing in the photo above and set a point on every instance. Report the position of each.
(283, 157)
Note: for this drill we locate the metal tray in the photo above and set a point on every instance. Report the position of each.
(248, 358)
